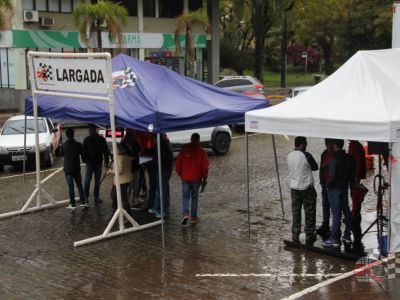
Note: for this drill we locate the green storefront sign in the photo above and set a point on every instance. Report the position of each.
(68, 39)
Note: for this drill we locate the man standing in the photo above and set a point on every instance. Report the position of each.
(326, 156)
(94, 149)
(167, 161)
(340, 173)
(192, 168)
(301, 164)
(357, 152)
(72, 150)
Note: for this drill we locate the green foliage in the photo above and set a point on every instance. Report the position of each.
(4, 5)
(98, 16)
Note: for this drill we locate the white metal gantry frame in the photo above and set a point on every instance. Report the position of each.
(39, 191)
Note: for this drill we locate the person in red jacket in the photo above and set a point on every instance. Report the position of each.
(192, 168)
(356, 150)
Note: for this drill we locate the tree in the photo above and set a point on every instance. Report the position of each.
(96, 17)
(186, 22)
(4, 5)
(322, 22)
(237, 35)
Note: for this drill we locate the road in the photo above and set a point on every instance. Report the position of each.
(215, 259)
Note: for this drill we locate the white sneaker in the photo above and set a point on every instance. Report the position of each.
(72, 207)
(84, 205)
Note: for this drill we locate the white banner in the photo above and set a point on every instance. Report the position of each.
(135, 40)
(81, 75)
(396, 25)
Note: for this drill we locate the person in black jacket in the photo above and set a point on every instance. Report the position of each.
(94, 149)
(340, 175)
(72, 150)
(167, 161)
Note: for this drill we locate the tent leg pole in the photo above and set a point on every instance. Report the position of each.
(24, 161)
(160, 188)
(277, 173)
(247, 181)
(37, 153)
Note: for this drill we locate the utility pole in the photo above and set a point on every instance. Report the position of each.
(305, 56)
(258, 15)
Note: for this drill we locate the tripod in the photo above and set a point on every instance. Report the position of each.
(380, 218)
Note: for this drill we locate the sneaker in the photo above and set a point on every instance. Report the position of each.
(152, 211)
(72, 207)
(310, 241)
(331, 243)
(346, 241)
(194, 220)
(185, 219)
(84, 205)
(158, 216)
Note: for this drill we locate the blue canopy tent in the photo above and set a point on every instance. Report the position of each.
(153, 98)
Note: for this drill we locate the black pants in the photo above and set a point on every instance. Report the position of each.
(124, 197)
(356, 221)
(152, 170)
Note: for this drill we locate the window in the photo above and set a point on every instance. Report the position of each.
(28, 4)
(41, 5)
(6, 68)
(149, 8)
(54, 5)
(170, 8)
(66, 6)
(17, 127)
(130, 5)
(195, 4)
(233, 82)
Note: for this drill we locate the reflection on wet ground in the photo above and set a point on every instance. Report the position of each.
(38, 260)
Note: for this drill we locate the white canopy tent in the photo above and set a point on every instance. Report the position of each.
(360, 101)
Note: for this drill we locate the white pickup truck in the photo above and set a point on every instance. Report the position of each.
(216, 138)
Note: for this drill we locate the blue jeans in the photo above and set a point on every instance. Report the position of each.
(338, 201)
(70, 182)
(326, 212)
(166, 176)
(190, 190)
(90, 169)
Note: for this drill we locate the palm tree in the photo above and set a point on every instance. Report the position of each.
(4, 5)
(185, 22)
(103, 15)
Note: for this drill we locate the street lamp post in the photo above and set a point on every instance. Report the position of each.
(305, 56)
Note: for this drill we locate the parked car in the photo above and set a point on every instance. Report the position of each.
(297, 91)
(241, 84)
(12, 141)
(216, 138)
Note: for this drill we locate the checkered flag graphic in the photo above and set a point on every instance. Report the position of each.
(46, 72)
(393, 266)
(129, 78)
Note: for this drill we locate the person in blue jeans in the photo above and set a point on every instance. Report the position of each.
(72, 151)
(95, 151)
(341, 171)
(192, 167)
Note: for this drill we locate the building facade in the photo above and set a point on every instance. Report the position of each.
(48, 26)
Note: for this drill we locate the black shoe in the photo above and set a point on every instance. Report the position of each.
(295, 238)
(323, 232)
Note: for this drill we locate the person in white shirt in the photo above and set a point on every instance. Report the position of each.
(301, 164)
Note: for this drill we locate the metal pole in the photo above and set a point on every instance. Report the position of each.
(114, 145)
(37, 150)
(277, 173)
(247, 180)
(160, 188)
(24, 161)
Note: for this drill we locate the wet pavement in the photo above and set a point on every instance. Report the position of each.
(205, 261)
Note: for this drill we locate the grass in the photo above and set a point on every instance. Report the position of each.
(294, 77)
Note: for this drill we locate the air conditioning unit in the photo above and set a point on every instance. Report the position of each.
(46, 22)
(31, 16)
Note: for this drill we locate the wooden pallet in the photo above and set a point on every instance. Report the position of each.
(327, 251)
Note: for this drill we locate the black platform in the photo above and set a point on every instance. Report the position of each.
(340, 253)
